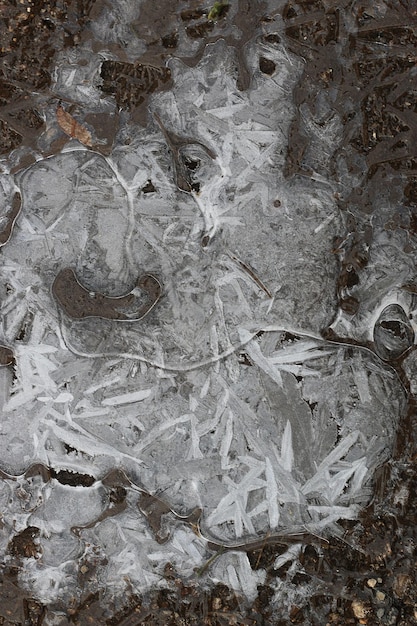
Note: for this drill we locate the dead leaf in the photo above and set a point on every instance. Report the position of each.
(72, 128)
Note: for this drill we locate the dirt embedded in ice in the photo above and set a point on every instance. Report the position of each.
(233, 423)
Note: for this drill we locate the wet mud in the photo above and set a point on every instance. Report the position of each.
(358, 61)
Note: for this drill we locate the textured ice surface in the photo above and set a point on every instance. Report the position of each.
(224, 397)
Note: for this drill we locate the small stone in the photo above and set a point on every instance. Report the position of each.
(380, 596)
(371, 582)
(380, 613)
(360, 609)
(401, 584)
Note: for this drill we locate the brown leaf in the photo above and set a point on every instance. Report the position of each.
(72, 128)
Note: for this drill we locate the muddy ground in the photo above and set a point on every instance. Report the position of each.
(371, 576)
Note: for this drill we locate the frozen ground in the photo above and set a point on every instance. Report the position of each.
(219, 395)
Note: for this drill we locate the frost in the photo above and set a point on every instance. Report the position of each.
(235, 570)
(287, 453)
(126, 398)
(288, 555)
(271, 495)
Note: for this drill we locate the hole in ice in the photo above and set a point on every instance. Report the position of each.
(205, 240)
(149, 187)
(73, 479)
(25, 543)
(188, 156)
(197, 165)
(393, 334)
(79, 303)
(272, 38)
(191, 163)
(267, 66)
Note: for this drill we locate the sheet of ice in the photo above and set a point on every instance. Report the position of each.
(224, 397)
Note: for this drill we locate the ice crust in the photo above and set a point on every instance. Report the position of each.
(272, 431)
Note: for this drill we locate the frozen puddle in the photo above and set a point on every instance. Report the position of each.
(171, 395)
